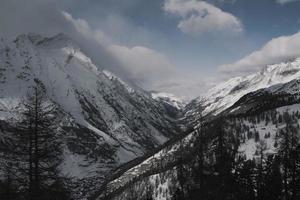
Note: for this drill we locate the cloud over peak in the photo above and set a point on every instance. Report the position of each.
(276, 50)
(199, 17)
(142, 65)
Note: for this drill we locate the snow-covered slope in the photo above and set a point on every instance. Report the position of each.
(252, 112)
(104, 122)
(157, 176)
(226, 94)
(169, 99)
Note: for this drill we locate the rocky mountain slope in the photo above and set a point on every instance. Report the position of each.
(103, 122)
(253, 113)
(224, 95)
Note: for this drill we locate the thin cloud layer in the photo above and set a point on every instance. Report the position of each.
(199, 17)
(285, 1)
(139, 65)
(124, 37)
(143, 66)
(276, 50)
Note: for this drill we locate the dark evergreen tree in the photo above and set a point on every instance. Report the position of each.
(294, 158)
(38, 152)
(288, 153)
(200, 157)
(273, 182)
(260, 174)
(244, 179)
(8, 186)
(225, 155)
(257, 138)
(181, 173)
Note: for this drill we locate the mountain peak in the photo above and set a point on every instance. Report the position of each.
(169, 98)
(282, 68)
(62, 37)
(28, 38)
(57, 41)
(227, 93)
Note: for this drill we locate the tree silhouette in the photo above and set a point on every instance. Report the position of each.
(37, 150)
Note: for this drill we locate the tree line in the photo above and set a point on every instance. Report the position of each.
(219, 172)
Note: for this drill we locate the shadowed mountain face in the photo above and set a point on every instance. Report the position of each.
(102, 121)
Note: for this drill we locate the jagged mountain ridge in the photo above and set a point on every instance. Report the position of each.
(103, 121)
(170, 99)
(263, 99)
(224, 95)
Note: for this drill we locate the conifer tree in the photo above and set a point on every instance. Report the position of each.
(288, 145)
(260, 175)
(244, 179)
(272, 182)
(37, 150)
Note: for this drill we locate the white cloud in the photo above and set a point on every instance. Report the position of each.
(147, 67)
(198, 17)
(133, 62)
(285, 1)
(276, 50)
(83, 27)
(144, 66)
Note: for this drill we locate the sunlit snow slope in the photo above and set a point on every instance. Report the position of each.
(226, 94)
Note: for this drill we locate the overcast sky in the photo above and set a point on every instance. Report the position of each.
(178, 46)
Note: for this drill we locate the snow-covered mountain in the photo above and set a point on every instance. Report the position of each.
(253, 113)
(157, 176)
(104, 122)
(226, 94)
(170, 99)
